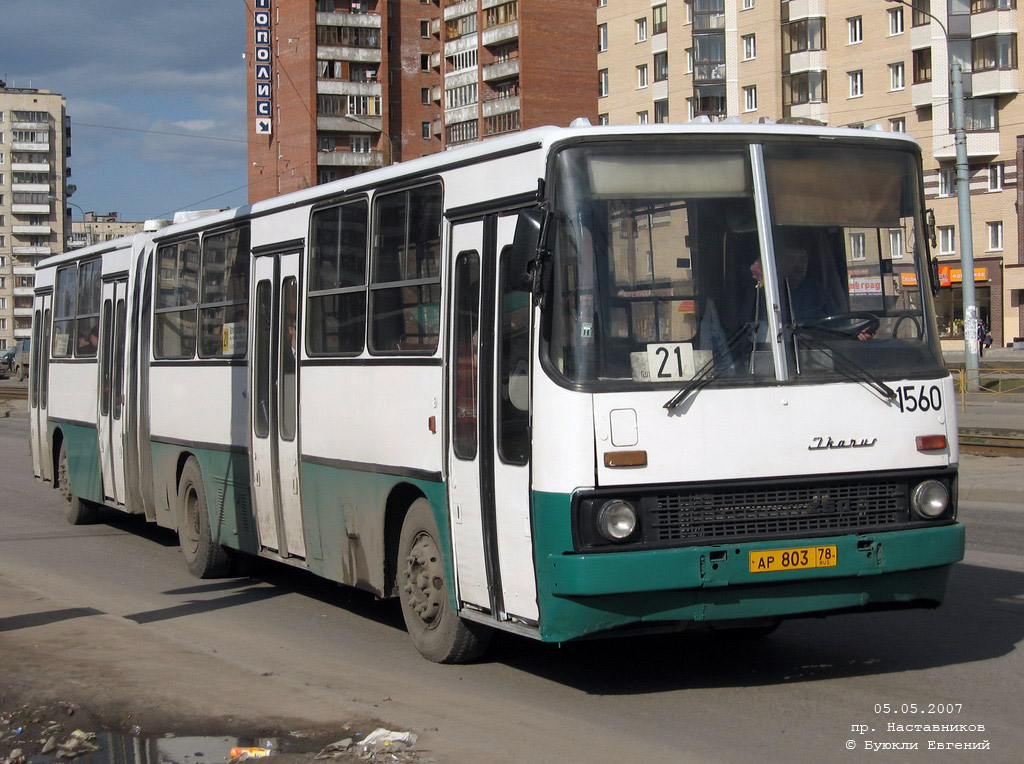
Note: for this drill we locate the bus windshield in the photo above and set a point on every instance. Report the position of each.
(660, 273)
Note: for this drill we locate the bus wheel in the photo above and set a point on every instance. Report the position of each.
(76, 511)
(203, 557)
(437, 632)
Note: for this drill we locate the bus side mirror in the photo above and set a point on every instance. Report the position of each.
(525, 253)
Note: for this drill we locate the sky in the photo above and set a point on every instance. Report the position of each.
(156, 92)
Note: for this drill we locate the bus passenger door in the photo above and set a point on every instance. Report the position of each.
(38, 369)
(489, 446)
(273, 395)
(109, 427)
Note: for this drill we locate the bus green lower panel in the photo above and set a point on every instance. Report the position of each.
(580, 594)
(83, 452)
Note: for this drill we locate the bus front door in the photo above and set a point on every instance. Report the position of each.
(273, 396)
(488, 444)
(38, 372)
(109, 425)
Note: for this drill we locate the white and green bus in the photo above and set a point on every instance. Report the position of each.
(575, 381)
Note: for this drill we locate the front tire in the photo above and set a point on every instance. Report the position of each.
(204, 558)
(436, 630)
(77, 511)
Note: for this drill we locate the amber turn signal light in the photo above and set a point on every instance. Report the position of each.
(625, 459)
(931, 442)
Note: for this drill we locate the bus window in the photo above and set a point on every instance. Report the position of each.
(177, 294)
(513, 364)
(105, 370)
(466, 319)
(87, 323)
(64, 306)
(289, 357)
(120, 339)
(406, 284)
(337, 280)
(224, 294)
(261, 360)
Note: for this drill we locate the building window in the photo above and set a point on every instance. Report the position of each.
(855, 29)
(857, 246)
(661, 66)
(602, 119)
(897, 76)
(805, 87)
(425, 29)
(661, 111)
(922, 65)
(996, 174)
(602, 38)
(750, 98)
(947, 182)
(659, 17)
(947, 240)
(602, 3)
(425, 96)
(980, 114)
(641, 30)
(896, 21)
(748, 4)
(424, 62)
(995, 236)
(425, 130)
(641, 117)
(361, 144)
(856, 83)
(803, 35)
(689, 60)
(919, 13)
(602, 83)
(980, 6)
(994, 52)
(641, 76)
(749, 47)
(898, 124)
(896, 243)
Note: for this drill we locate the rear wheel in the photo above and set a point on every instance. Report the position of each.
(20, 374)
(76, 511)
(436, 630)
(203, 557)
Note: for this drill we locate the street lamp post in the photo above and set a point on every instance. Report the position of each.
(963, 203)
(391, 146)
(55, 198)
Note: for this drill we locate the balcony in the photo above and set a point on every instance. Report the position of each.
(30, 166)
(435, 94)
(27, 312)
(435, 26)
(984, 144)
(808, 61)
(709, 72)
(459, 9)
(460, 44)
(30, 125)
(348, 53)
(18, 250)
(31, 230)
(436, 127)
(30, 209)
(498, 35)
(994, 82)
(462, 114)
(350, 159)
(344, 19)
(22, 334)
(342, 87)
(805, 9)
(993, 22)
(501, 70)
(344, 124)
(25, 270)
(31, 188)
(435, 59)
(818, 111)
(496, 106)
(20, 146)
(461, 77)
(24, 291)
(921, 94)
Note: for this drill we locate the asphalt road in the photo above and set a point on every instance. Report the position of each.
(114, 600)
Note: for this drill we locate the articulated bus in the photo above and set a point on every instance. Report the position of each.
(571, 382)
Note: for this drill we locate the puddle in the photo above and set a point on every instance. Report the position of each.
(120, 748)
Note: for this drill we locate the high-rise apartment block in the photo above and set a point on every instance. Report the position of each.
(35, 141)
(850, 63)
(341, 86)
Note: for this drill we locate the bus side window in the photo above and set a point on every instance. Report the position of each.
(513, 364)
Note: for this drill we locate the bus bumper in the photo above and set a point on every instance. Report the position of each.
(584, 593)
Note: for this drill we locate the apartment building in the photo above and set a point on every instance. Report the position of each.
(95, 227)
(35, 141)
(341, 86)
(849, 63)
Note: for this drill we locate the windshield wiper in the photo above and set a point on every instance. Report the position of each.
(844, 365)
(708, 373)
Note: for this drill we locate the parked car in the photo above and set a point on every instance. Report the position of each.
(21, 356)
(7, 361)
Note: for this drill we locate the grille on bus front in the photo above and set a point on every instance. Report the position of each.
(774, 511)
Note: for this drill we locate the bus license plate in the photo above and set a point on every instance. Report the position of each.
(800, 558)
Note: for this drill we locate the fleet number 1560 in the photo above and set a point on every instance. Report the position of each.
(912, 398)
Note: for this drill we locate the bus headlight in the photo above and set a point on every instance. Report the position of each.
(930, 499)
(617, 520)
